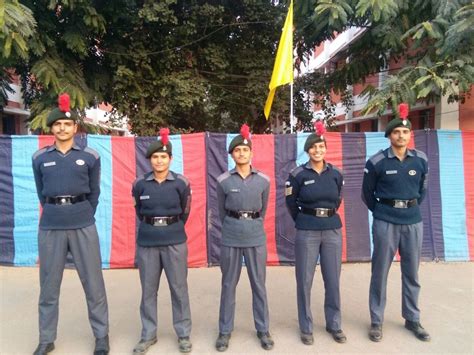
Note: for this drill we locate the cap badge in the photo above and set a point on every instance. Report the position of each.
(68, 114)
(246, 141)
(404, 122)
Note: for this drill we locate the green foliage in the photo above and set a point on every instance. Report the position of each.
(433, 39)
(190, 65)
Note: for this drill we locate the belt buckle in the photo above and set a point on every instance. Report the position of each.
(159, 221)
(400, 204)
(245, 215)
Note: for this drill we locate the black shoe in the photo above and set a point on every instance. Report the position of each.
(222, 342)
(43, 349)
(307, 338)
(418, 330)
(143, 345)
(102, 346)
(266, 340)
(337, 335)
(185, 345)
(375, 332)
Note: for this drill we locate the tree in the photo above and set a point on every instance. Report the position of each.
(434, 38)
(190, 65)
(17, 26)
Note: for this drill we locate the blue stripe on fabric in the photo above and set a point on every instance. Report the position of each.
(453, 198)
(374, 141)
(25, 200)
(177, 163)
(230, 161)
(103, 215)
(301, 155)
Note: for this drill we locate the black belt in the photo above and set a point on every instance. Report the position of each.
(66, 200)
(399, 203)
(161, 221)
(319, 212)
(243, 214)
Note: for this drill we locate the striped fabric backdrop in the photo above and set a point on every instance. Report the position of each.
(448, 210)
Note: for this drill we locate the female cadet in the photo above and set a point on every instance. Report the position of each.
(313, 195)
(162, 203)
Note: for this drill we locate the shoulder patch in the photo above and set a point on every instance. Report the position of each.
(183, 178)
(92, 152)
(377, 157)
(259, 173)
(296, 170)
(223, 176)
(421, 155)
(137, 180)
(336, 169)
(39, 152)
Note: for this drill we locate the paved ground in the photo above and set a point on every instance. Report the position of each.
(446, 302)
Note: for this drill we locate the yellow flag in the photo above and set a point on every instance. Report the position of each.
(283, 68)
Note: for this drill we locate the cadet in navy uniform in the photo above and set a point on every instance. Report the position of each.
(394, 185)
(67, 181)
(313, 195)
(162, 203)
(242, 195)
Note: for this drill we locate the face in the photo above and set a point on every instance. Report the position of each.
(64, 130)
(317, 152)
(242, 155)
(400, 137)
(160, 162)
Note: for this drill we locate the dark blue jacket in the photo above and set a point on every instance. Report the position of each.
(172, 197)
(385, 176)
(306, 188)
(75, 173)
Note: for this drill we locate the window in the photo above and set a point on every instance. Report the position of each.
(8, 124)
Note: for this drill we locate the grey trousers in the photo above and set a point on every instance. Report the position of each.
(151, 262)
(231, 266)
(327, 244)
(53, 247)
(388, 237)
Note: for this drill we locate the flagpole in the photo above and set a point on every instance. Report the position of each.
(291, 108)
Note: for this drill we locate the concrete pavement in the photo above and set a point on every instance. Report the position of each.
(446, 303)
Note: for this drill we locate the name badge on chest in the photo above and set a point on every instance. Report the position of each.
(391, 172)
(309, 182)
(50, 163)
(234, 190)
(145, 197)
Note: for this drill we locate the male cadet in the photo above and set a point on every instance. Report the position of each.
(67, 182)
(242, 195)
(162, 203)
(394, 185)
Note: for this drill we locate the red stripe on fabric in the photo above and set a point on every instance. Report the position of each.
(44, 141)
(334, 156)
(122, 252)
(411, 144)
(264, 160)
(468, 156)
(194, 167)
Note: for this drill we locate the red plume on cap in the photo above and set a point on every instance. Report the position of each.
(245, 131)
(403, 109)
(319, 128)
(164, 133)
(64, 102)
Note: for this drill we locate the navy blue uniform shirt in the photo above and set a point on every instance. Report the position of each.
(237, 194)
(75, 173)
(306, 188)
(385, 176)
(172, 197)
